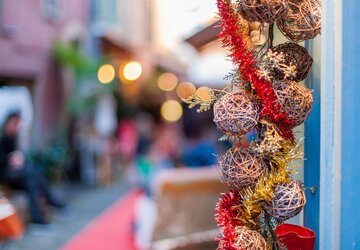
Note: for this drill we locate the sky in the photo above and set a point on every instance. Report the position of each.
(179, 19)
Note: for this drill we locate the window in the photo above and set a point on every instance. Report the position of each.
(51, 9)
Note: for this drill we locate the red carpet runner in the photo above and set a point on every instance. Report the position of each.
(112, 230)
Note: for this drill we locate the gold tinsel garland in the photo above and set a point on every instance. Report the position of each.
(254, 199)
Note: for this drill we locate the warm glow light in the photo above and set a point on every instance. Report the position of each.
(106, 74)
(203, 93)
(167, 81)
(185, 89)
(171, 111)
(132, 71)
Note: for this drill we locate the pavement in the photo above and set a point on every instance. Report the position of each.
(85, 204)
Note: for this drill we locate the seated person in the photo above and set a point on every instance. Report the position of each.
(17, 173)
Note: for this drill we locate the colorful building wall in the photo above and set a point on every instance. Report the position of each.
(28, 30)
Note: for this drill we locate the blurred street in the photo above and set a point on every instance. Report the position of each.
(178, 124)
(86, 204)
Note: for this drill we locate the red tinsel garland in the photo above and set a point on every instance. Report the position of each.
(226, 211)
(241, 55)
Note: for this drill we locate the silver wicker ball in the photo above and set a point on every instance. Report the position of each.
(235, 113)
(288, 201)
(241, 167)
(295, 100)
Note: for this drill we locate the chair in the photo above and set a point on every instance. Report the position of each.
(185, 200)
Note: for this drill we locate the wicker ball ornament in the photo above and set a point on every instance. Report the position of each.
(263, 11)
(241, 167)
(296, 55)
(247, 239)
(295, 100)
(302, 20)
(288, 201)
(235, 113)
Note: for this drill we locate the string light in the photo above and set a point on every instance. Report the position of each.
(203, 93)
(106, 74)
(185, 89)
(171, 111)
(167, 81)
(132, 71)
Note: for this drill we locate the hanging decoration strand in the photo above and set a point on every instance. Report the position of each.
(233, 36)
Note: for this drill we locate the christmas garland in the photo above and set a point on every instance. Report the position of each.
(271, 101)
(234, 38)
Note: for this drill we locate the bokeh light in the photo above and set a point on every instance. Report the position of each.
(185, 89)
(106, 74)
(167, 81)
(171, 111)
(203, 93)
(132, 71)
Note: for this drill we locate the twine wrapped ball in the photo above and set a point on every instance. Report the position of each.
(248, 239)
(302, 21)
(296, 55)
(263, 11)
(295, 100)
(288, 201)
(241, 167)
(235, 113)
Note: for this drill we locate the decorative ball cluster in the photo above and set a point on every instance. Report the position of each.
(288, 201)
(261, 188)
(263, 11)
(235, 113)
(293, 54)
(241, 167)
(302, 21)
(295, 100)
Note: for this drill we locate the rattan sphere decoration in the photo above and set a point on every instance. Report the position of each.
(296, 55)
(249, 239)
(288, 201)
(235, 113)
(263, 11)
(295, 100)
(302, 21)
(240, 167)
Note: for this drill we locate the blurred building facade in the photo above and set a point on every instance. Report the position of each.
(210, 64)
(28, 30)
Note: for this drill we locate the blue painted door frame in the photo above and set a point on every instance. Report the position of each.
(350, 126)
(340, 129)
(312, 150)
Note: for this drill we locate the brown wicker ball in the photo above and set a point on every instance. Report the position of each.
(296, 55)
(235, 113)
(288, 201)
(302, 21)
(263, 11)
(249, 239)
(241, 167)
(295, 100)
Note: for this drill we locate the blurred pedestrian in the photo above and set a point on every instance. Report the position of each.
(17, 173)
(198, 149)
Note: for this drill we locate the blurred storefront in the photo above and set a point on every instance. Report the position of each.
(28, 31)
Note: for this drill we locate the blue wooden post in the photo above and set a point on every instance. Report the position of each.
(340, 134)
(312, 145)
(350, 160)
(330, 169)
